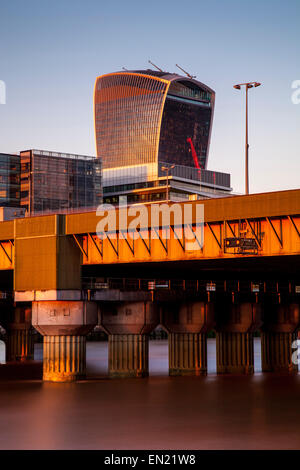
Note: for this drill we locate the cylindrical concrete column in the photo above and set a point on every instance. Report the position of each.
(128, 325)
(234, 353)
(64, 358)
(276, 352)
(64, 325)
(20, 343)
(281, 322)
(188, 323)
(236, 323)
(187, 354)
(128, 355)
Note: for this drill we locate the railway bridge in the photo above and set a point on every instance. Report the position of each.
(235, 270)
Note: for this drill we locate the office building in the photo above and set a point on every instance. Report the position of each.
(9, 180)
(152, 134)
(59, 182)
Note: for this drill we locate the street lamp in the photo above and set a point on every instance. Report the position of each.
(238, 87)
(167, 169)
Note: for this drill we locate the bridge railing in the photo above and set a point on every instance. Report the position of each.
(271, 286)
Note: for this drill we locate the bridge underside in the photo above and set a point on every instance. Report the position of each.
(275, 267)
(6, 280)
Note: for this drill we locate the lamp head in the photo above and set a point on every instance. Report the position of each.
(237, 87)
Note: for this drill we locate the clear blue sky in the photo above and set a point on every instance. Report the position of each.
(52, 51)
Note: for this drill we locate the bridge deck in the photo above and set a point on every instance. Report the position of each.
(46, 252)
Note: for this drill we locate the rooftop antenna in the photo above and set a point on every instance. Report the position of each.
(124, 68)
(155, 66)
(188, 75)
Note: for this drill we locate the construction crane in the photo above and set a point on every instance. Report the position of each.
(184, 71)
(194, 155)
(155, 66)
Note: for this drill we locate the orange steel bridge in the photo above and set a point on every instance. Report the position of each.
(239, 232)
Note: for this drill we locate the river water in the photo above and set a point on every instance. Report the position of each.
(160, 412)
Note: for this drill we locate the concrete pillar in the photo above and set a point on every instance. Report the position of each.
(234, 337)
(188, 324)
(279, 330)
(187, 354)
(64, 358)
(128, 355)
(2, 352)
(20, 344)
(64, 325)
(128, 325)
(234, 353)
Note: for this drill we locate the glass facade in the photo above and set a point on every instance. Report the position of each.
(52, 182)
(183, 182)
(183, 120)
(137, 176)
(128, 109)
(9, 180)
(144, 117)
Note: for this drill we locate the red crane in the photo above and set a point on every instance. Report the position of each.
(194, 155)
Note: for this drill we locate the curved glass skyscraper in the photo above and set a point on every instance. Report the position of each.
(144, 117)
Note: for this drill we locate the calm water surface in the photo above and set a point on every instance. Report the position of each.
(258, 412)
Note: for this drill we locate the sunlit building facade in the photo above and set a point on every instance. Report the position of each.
(9, 180)
(54, 182)
(144, 117)
(152, 133)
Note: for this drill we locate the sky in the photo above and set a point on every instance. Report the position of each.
(52, 51)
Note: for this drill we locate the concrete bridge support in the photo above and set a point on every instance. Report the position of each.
(20, 343)
(234, 337)
(128, 355)
(64, 326)
(128, 325)
(188, 325)
(279, 330)
(187, 354)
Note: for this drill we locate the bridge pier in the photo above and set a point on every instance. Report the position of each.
(20, 342)
(235, 353)
(234, 337)
(64, 326)
(187, 354)
(128, 325)
(128, 355)
(279, 331)
(188, 325)
(64, 358)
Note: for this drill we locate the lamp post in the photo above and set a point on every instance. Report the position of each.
(167, 169)
(238, 87)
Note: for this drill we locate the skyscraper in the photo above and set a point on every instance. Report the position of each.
(152, 132)
(143, 117)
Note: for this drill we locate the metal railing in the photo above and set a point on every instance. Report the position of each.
(47, 153)
(229, 286)
(145, 175)
(213, 178)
